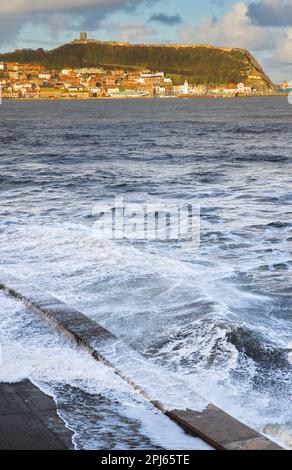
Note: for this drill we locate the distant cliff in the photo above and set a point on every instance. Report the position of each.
(198, 63)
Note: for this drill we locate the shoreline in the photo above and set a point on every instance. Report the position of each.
(166, 98)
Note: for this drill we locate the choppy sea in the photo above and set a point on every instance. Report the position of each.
(219, 316)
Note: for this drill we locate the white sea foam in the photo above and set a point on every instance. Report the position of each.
(174, 313)
(219, 318)
(60, 368)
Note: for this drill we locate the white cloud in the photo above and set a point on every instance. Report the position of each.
(270, 41)
(279, 59)
(11, 7)
(131, 32)
(283, 52)
(58, 14)
(234, 29)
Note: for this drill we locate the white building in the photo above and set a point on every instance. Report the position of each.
(186, 88)
(95, 91)
(113, 91)
(44, 76)
(22, 86)
(241, 88)
(160, 91)
(151, 76)
(66, 71)
(89, 71)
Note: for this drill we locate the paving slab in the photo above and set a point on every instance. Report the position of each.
(221, 430)
(29, 421)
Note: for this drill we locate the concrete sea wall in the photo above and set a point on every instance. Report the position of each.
(164, 390)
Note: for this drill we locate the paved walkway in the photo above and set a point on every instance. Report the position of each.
(29, 421)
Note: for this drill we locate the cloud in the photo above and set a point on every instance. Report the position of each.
(278, 61)
(59, 14)
(169, 20)
(271, 13)
(234, 29)
(18, 7)
(282, 54)
(264, 32)
(10, 26)
(284, 50)
(130, 32)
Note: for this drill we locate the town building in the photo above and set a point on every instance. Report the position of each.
(35, 81)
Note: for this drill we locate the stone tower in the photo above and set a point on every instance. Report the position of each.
(83, 37)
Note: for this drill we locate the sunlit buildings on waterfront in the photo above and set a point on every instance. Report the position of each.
(35, 81)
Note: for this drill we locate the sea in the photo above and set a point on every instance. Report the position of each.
(216, 314)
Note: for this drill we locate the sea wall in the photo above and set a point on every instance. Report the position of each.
(189, 410)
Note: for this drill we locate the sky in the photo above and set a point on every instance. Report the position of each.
(262, 26)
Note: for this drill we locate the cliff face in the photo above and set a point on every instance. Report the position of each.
(197, 63)
(256, 76)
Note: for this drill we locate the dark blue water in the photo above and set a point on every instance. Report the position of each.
(218, 316)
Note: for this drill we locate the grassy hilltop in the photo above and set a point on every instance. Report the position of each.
(197, 63)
